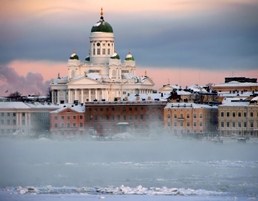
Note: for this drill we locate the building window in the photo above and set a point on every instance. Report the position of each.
(234, 114)
(74, 117)
(233, 124)
(68, 117)
(124, 117)
(55, 125)
(200, 115)
(181, 123)
(98, 51)
(227, 124)
(74, 124)
(23, 122)
(244, 114)
(103, 51)
(168, 116)
(96, 117)
(188, 123)
(239, 124)
(14, 122)
(200, 123)
(222, 124)
(81, 117)
(251, 124)
(56, 117)
(135, 117)
(141, 116)
(188, 116)
(130, 117)
(113, 117)
(8, 122)
(80, 124)
(168, 123)
(239, 114)
(251, 114)
(228, 114)
(68, 125)
(222, 114)
(62, 117)
(108, 51)
(174, 115)
(14, 114)
(118, 117)
(94, 51)
(194, 115)
(244, 124)
(107, 117)
(147, 116)
(194, 123)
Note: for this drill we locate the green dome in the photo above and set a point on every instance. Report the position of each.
(129, 57)
(102, 26)
(74, 56)
(87, 58)
(115, 56)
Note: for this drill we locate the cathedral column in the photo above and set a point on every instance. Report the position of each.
(102, 94)
(75, 94)
(58, 96)
(82, 99)
(52, 96)
(96, 94)
(69, 96)
(89, 95)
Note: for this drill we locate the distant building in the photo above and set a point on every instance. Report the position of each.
(25, 118)
(189, 118)
(141, 117)
(101, 76)
(237, 85)
(238, 117)
(68, 121)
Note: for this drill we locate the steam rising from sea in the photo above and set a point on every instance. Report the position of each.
(148, 167)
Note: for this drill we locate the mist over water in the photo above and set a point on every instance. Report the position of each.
(174, 163)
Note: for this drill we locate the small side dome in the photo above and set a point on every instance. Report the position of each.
(129, 57)
(74, 56)
(115, 56)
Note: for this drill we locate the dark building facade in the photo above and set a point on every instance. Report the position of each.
(136, 117)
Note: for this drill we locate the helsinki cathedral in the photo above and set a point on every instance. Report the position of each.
(101, 76)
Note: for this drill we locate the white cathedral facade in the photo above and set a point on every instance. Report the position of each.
(102, 76)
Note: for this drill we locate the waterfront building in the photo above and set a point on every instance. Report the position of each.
(102, 75)
(237, 85)
(238, 117)
(68, 120)
(29, 119)
(136, 114)
(189, 118)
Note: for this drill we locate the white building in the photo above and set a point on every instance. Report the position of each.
(27, 118)
(102, 75)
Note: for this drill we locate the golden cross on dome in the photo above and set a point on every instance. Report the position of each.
(101, 12)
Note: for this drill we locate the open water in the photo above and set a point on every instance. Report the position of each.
(160, 169)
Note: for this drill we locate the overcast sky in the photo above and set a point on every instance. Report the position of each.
(171, 37)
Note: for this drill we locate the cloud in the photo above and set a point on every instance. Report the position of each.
(15, 77)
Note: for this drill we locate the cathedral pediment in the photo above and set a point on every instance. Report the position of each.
(84, 80)
(147, 81)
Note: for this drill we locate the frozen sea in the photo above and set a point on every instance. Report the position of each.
(160, 169)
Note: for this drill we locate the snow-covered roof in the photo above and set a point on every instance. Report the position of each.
(236, 84)
(197, 88)
(189, 105)
(130, 76)
(77, 108)
(228, 94)
(235, 102)
(147, 97)
(22, 105)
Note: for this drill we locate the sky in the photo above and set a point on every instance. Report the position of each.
(181, 42)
